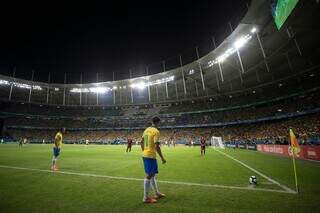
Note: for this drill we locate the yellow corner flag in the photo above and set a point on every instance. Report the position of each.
(295, 149)
(294, 142)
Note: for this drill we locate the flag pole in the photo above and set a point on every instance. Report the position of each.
(294, 146)
(295, 169)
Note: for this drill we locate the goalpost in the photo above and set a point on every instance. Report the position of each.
(216, 142)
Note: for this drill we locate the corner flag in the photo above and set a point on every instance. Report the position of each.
(294, 143)
(295, 149)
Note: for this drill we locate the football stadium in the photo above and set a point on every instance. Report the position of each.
(234, 126)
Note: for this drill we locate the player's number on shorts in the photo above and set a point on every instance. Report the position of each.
(145, 140)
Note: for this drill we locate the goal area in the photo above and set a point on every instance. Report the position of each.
(216, 142)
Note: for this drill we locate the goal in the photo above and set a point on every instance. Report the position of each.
(216, 142)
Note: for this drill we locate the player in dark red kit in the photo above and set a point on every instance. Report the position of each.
(129, 145)
(203, 146)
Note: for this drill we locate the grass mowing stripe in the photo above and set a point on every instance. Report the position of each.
(138, 179)
(259, 173)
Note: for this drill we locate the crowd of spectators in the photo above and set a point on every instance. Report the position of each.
(300, 103)
(272, 132)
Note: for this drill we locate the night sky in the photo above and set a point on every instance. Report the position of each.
(106, 36)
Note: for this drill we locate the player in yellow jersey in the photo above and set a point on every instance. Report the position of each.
(150, 146)
(58, 139)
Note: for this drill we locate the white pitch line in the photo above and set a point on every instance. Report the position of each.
(138, 179)
(287, 189)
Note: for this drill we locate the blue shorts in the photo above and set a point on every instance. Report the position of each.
(56, 151)
(150, 166)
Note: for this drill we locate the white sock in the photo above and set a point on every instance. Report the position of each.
(146, 186)
(154, 184)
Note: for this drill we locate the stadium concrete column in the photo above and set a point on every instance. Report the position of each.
(164, 69)
(113, 90)
(195, 82)
(240, 61)
(238, 53)
(230, 25)
(30, 91)
(220, 70)
(214, 43)
(120, 95)
(48, 89)
(149, 95)
(97, 92)
(257, 75)
(131, 92)
(176, 87)
(157, 92)
(183, 79)
(64, 88)
(294, 40)
(289, 61)
(11, 86)
(217, 79)
(200, 68)
(80, 89)
(219, 64)
(262, 50)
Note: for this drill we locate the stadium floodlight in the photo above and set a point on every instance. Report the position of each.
(26, 86)
(240, 42)
(191, 72)
(99, 90)
(36, 87)
(161, 81)
(142, 85)
(4, 82)
(20, 85)
(79, 90)
(221, 58)
(139, 85)
(91, 89)
(253, 30)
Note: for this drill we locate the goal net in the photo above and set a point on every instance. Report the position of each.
(216, 142)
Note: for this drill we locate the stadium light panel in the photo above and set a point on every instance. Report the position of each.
(36, 88)
(253, 30)
(20, 85)
(139, 85)
(142, 85)
(99, 90)
(240, 42)
(4, 82)
(191, 72)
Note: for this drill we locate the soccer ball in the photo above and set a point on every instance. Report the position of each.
(253, 180)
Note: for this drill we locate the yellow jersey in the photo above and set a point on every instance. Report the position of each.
(59, 140)
(150, 138)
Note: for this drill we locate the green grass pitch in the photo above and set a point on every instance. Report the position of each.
(194, 183)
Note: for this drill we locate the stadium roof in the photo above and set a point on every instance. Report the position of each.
(254, 53)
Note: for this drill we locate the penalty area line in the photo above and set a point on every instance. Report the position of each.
(287, 189)
(139, 179)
